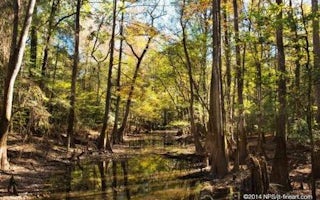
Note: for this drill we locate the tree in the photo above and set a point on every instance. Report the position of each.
(71, 117)
(116, 137)
(54, 8)
(194, 132)
(241, 136)
(216, 137)
(309, 102)
(148, 33)
(14, 66)
(33, 43)
(280, 173)
(227, 87)
(104, 140)
(132, 85)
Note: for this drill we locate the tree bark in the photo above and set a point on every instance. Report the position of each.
(258, 175)
(280, 173)
(116, 137)
(71, 117)
(227, 51)
(12, 72)
(33, 44)
(216, 137)
(54, 8)
(104, 140)
(241, 137)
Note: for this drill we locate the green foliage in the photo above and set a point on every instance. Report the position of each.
(59, 111)
(31, 114)
(179, 124)
(90, 111)
(162, 85)
(300, 130)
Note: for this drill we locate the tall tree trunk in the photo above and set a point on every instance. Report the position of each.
(259, 56)
(227, 51)
(316, 54)
(241, 137)
(202, 91)
(216, 137)
(104, 140)
(15, 34)
(116, 137)
(194, 132)
(259, 96)
(71, 117)
(309, 105)
(33, 44)
(280, 173)
(297, 112)
(54, 8)
(12, 72)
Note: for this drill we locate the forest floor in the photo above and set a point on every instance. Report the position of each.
(35, 160)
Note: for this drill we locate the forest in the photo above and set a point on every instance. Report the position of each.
(159, 99)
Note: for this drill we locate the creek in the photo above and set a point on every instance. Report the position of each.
(146, 171)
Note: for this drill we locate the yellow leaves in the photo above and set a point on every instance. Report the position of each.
(137, 28)
(138, 35)
(196, 7)
(86, 7)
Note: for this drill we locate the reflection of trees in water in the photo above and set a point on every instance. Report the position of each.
(192, 195)
(121, 178)
(103, 166)
(113, 174)
(114, 180)
(68, 180)
(124, 165)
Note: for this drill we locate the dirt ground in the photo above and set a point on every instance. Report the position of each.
(34, 160)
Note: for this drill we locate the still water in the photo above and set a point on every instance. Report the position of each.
(145, 173)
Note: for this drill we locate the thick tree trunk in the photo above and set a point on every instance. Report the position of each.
(216, 137)
(12, 72)
(104, 140)
(4, 126)
(71, 118)
(280, 173)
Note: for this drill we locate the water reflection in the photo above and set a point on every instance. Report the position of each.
(140, 176)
